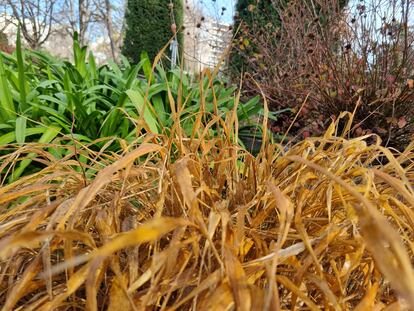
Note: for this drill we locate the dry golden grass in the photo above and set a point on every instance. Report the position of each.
(199, 224)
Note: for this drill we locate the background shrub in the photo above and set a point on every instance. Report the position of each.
(149, 26)
(336, 58)
(257, 18)
(253, 17)
(373, 67)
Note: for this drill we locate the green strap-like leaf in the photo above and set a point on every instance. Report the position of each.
(20, 70)
(48, 135)
(20, 130)
(7, 111)
(138, 101)
(10, 138)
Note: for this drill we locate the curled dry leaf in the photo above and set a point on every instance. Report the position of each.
(402, 121)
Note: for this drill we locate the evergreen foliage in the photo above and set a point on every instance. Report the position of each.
(149, 26)
(252, 17)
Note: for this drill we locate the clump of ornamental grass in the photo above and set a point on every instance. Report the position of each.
(197, 223)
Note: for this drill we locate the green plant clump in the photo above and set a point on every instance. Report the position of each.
(47, 100)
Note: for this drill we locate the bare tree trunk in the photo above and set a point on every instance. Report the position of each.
(123, 26)
(109, 27)
(82, 21)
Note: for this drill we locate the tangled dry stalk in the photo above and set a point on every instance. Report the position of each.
(199, 224)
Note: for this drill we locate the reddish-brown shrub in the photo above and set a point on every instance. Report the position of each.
(337, 58)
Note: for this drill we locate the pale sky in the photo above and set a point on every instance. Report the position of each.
(213, 8)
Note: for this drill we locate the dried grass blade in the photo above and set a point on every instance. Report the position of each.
(382, 240)
(238, 281)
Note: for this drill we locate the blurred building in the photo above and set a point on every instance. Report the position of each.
(205, 41)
